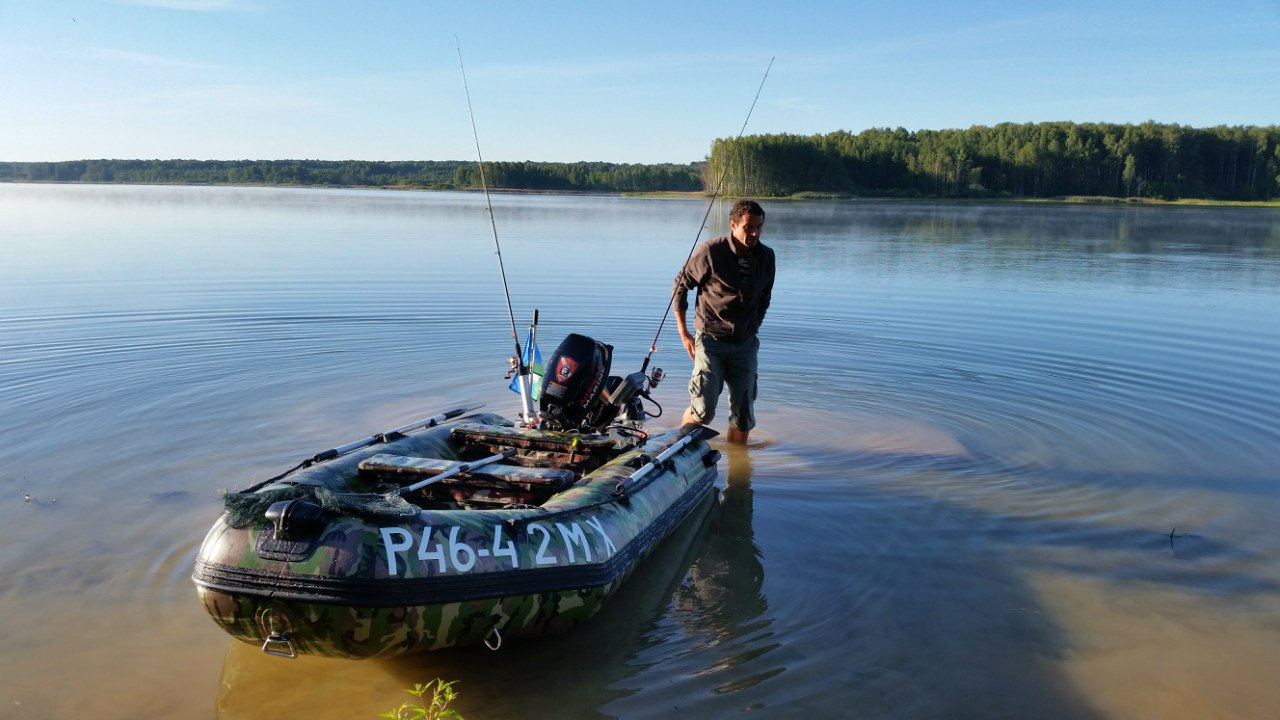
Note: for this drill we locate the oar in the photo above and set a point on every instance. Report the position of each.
(457, 470)
(690, 433)
(372, 439)
(382, 437)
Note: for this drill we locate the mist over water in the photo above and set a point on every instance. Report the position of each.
(1012, 460)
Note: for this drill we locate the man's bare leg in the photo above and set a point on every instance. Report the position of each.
(737, 437)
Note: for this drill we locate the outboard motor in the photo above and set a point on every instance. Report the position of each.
(574, 383)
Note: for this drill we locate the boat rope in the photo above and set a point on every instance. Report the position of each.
(724, 173)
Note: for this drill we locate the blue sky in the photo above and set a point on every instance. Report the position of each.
(643, 82)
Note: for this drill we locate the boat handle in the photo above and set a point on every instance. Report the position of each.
(279, 639)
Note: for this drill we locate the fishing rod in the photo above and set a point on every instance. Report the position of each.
(653, 347)
(522, 369)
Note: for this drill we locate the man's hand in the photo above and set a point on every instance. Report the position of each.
(687, 340)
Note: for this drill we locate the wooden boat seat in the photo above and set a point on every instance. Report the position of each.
(493, 485)
(412, 469)
(524, 439)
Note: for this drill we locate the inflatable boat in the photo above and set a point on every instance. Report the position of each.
(463, 528)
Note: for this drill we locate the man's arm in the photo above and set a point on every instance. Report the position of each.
(686, 338)
(688, 278)
(765, 299)
(766, 296)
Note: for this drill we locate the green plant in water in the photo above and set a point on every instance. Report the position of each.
(437, 708)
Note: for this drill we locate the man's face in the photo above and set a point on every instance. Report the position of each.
(746, 230)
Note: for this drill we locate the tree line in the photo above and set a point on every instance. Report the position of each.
(581, 176)
(436, 175)
(1034, 160)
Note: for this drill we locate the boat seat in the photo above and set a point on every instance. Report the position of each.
(552, 440)
(403, 468)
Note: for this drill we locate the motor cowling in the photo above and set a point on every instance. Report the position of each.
(574, 382)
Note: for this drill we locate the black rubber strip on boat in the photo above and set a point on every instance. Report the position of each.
(409, 592)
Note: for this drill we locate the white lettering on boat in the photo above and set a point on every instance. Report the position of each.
(392, 547)
(442, 549)
(464, 558)
(508, 549)
(542, 558)
(596, 525)
(426, 553)
(572, 533)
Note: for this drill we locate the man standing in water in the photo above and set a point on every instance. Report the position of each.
(733, 276)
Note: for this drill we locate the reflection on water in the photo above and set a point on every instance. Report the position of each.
(1013, 461)
(568, 675)
(692, 613)
(722, 593)
(719, 637)
(723, 588)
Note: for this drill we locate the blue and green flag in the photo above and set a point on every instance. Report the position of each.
(532, 359)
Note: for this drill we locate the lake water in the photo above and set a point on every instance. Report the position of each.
(1013, 460)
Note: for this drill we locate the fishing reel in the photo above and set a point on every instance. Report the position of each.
(513, 367)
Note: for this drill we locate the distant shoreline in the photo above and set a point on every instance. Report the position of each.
(1066, 200)
(1059, 162)
(697, 194)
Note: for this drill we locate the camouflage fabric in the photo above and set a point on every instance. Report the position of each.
(379, 632)
(336, 483)
(378, 585)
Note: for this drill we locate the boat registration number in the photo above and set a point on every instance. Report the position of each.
(445, 548)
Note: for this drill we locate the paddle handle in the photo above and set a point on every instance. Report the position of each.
(465, 467)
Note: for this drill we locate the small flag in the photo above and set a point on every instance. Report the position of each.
(533, 360)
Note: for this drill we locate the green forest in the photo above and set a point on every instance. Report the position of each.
(1033, 160)
(435, 175)
(1029, 160)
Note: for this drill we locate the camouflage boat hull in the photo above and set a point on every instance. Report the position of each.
(528, 546)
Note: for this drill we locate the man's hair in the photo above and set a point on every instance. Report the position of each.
(743, 208)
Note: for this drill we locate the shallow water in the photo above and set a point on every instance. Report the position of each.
(1013, 461)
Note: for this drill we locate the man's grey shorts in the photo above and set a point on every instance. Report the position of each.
(717, 363)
